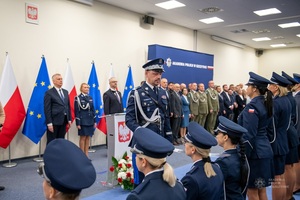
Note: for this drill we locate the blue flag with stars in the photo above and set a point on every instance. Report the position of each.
(35, 122)
(129, 85)
(96, 95)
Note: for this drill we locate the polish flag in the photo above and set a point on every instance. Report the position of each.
(68, 84)
(12, 103)
(111, 74)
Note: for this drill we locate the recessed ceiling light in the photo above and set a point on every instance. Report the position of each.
(170, 4)
(261, 39)
(270, 11)
(278, 45)
(289, 25)
(298, 35)
(211, 20)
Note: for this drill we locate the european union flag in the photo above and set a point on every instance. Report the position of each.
(129, 85)
(35, 123)
(96, 95)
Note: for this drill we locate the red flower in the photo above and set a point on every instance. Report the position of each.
(111, 168)
(120, 165)
(131, 181)
(128, 165)
(127, 157)
(128, 174)
(120, 180)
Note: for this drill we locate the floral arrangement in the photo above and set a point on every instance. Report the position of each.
(123, 171)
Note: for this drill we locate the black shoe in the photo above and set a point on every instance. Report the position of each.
(2, 188)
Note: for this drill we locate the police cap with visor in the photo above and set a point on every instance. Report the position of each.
(66, 168)
(230, 128)
(279, 80)
(257, 80)
(149, 143)
(155, 65)
(199, 137)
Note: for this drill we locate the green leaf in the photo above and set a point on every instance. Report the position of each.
(114, 161)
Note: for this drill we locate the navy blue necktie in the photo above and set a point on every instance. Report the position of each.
(61, 95)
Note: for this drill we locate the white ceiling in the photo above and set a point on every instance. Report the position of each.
(238, 17)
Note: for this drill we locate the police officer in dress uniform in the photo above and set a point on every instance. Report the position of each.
(255, 118)
(232, 162)
(65, 172)
(204, 180)
(85, 117)
(147, 106)
(296, 94)
(277, 131)
(293, 140)
(160, 182)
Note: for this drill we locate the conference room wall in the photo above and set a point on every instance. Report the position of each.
(102, 33)
(278, 60)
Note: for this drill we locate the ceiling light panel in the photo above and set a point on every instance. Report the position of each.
(278, 45)
(298, 35)
(270, 11)
(289, 25)
(261, 39)
(170, 4)
(211, 20)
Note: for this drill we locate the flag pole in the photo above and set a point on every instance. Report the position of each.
(68, 134)
(90, 149)
(9, 164)
(39, 159)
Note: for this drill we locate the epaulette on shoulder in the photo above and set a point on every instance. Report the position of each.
(141, 186)
(137, 88)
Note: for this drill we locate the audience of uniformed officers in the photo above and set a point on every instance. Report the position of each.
(257, 127)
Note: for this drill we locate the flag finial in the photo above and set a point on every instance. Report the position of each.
(92, 61)
(42, 56)
(67, 59)
(6, 53)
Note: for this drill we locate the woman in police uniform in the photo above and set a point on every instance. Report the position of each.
(160, 182)
(204, 180)
(232, 162)
(85, 117)
(277, 132)
(255, 118)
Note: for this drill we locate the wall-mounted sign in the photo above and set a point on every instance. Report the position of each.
(32, 13)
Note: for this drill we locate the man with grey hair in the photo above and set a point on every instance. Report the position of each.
(57, 109)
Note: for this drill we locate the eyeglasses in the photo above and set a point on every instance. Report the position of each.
(41, 171)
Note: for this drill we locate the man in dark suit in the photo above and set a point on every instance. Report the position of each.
(57, 109)
(113, 98)
(176, 113)
(228, 102)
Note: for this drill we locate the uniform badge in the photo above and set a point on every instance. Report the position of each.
(143, 94)
(251, 111)
(146, 88)
(164, 97)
